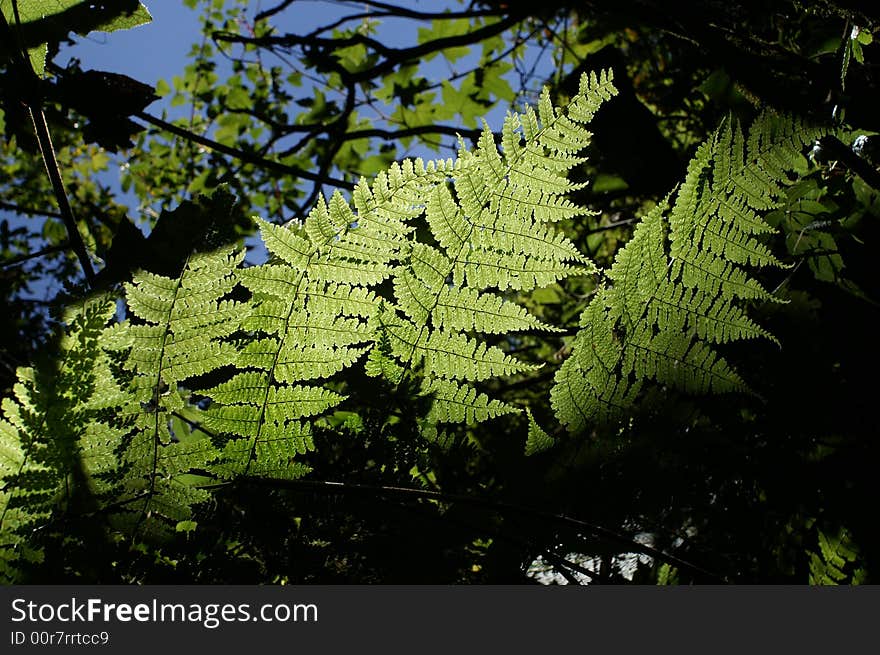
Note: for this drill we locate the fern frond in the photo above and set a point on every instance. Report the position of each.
(295, 250)
(461, 309)
(448, 354)
(836, 560)
(315, 309)
(537, 440)
(460, 403)
(679, 284)
(310, 319)
(185, 322)
(53, 446)
(490, 217)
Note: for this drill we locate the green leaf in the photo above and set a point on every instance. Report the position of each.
(162, 88)
(461, 101)
(39, 22)
(444, 28)
(491, 83)
(836, 561)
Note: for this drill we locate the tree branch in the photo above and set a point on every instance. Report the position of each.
(837, 150)
(32, 99)
(403, 12)
(331, 487)
(390, 135)
(33, 255)
(385, 10)
(242, 155)
(9, 206)
(312, 129)
(268, 13)
(75, 238)
(392, 56)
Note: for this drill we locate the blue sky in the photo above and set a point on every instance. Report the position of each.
(160, 49)
(147, 53)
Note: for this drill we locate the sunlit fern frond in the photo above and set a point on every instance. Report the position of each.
(54, 443)
(680, 286)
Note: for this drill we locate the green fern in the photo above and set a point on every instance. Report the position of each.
(678, 288)
(836, 561)
(415, 279)
(667, 575)
(183, 321)
(537, 440)
(315, 311)
(317, 307)
(310, 320)
(54, 447)
(491, 222)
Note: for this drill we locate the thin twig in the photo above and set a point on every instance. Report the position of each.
(605, 228)
(327, 486)
(392, 56)
(31, 211)
(250, 158)
(332, 487)
(75, 238)
(31, 98)
(33, 255)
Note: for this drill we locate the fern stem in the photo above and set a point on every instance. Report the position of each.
(465, 241)
(156, 389)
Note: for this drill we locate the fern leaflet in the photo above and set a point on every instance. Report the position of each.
(836, 561)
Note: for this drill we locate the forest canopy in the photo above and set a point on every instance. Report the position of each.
(477, 293)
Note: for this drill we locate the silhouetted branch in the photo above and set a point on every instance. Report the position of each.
(326, 486)
(393, 57)
(33, 255)
(28, 210)
(242, 155)
(268, 13)
(837, 150)
(33, 101)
